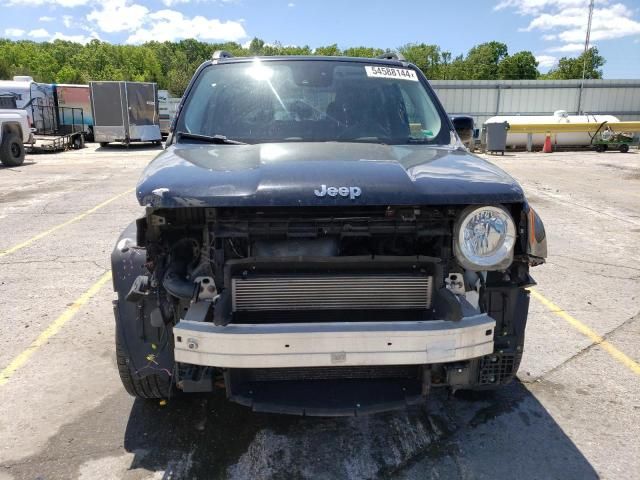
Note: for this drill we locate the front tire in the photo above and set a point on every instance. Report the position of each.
(151, 386)
(12, 150)
(624, 148)
(78, 143)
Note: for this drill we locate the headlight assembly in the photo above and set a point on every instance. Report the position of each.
(484, 238)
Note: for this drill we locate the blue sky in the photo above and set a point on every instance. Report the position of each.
(549, 28)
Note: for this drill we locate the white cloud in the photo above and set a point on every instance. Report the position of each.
(84, 39)
(38, 33)
(170, 3)
(170, 25)
(66, 19)
(291, 4)
(118, 16)
(566, 20)
(570, 18)
(546, 61)
(569, 47)
(35, 3)
(14, 32)
(46, 19)
(534, 7)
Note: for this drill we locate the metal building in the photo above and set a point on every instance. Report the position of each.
(485, 98)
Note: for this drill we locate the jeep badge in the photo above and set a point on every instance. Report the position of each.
(351, 192)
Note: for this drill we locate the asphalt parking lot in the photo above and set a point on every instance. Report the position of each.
(575, 412)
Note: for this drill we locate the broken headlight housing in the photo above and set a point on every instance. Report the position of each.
(484, 238)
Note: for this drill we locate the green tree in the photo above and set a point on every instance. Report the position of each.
(256, 46)
(177, 81)
(427, 58)
(571, 68)
(68, 74)
(278, 49)
(5, 69)
(519, 66)
(481, 63)
(171, 64)
(328, 51)
(366, 52)
(455, 69)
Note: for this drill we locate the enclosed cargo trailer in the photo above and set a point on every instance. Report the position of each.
(74, 109)
(125, 112)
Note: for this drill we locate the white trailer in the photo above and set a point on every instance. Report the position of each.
(168, 106)
(573, 139)
(125, 112)
(36, 98)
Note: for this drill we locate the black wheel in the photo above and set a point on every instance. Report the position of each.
(153, 386)
(624, 148)
(12, 150)
(104, 144)
(78, 143)
(598, 148)
(605, 147)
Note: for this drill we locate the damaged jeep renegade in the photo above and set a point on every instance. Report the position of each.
(317, 241)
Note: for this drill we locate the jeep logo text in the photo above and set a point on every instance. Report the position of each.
(351, 192)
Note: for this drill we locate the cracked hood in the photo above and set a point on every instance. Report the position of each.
(288, 174)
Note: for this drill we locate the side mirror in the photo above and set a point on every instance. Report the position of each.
(464, 126)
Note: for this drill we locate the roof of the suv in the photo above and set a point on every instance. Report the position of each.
(382, 61)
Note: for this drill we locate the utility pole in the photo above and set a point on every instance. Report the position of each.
(586, 49)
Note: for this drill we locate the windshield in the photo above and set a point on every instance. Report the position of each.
(313, 101)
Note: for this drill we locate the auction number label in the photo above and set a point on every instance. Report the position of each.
(391, 72)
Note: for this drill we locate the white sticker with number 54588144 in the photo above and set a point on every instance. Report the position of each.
(391, 72)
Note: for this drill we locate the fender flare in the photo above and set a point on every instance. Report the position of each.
(133, 320)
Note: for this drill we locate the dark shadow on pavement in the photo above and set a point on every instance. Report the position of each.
(26, 163)
(132, 147)
(505, 434)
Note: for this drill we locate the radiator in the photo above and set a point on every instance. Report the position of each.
(332, 292)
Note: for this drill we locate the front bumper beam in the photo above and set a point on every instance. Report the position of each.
(337, 344)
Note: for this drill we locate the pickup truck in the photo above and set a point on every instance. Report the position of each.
(15, 131)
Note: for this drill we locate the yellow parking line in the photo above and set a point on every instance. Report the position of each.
(586, 331)
(28, 242)
(52, 329)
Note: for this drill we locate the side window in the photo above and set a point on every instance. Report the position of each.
(411, 108)
(424, 120)
(416, 122)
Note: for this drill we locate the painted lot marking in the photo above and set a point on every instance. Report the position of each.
(75, 219)
(587, 332)
(52, 329)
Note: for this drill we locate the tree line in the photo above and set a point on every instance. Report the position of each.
(171, 64)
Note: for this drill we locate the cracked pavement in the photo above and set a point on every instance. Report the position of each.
(574, 413)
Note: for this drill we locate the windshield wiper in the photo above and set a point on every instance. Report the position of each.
(217, 139)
